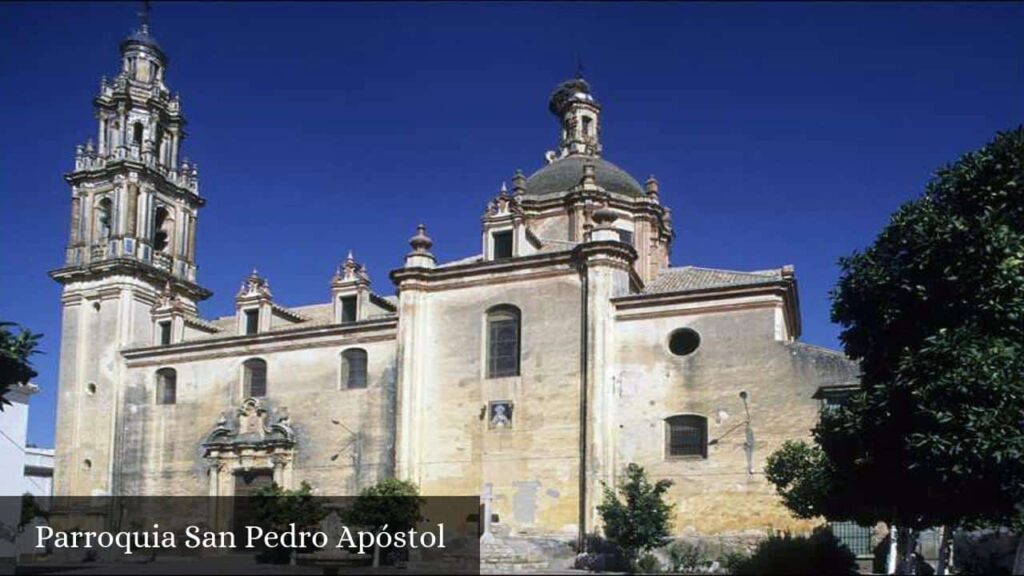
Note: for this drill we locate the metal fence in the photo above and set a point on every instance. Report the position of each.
(856, 538)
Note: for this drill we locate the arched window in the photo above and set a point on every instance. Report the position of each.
(137, 133)
(104, 212)
(166, 386)
(353, 368)
(161, 226)
(159, 142)
(254, 378)
(503, 341)
(686, 435)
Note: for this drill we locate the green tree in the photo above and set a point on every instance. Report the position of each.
(275, 508)
(15, 350)
(641, 520)
(391, 502)
(933, 311)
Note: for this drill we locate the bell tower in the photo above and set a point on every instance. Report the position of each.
(134, 208)
(133, 198)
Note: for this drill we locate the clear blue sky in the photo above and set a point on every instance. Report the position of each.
(781, 133)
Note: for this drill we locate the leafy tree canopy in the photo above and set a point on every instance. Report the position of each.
(934, 312)
(15, 350)
(392, 502)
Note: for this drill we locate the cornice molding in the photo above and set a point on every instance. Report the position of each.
(130, 267)
(277, 340)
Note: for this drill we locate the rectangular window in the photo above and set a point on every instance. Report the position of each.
(502, 244)
(165, 332)
(252, 321)
(626, 236)
(348, 309)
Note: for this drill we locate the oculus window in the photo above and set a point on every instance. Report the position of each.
(684, 341)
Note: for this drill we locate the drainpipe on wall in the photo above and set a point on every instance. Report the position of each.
(584, 364)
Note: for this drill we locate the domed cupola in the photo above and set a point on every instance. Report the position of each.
(144, 60)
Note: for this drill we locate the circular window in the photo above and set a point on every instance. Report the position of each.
(90, 388)
(87, 464)
(683, 341)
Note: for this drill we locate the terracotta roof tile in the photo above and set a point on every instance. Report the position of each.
(688, 278)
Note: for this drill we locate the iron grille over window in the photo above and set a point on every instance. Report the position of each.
(353, 368)
(166, 386)
(503, 342)
(255, 378)
(687, 435)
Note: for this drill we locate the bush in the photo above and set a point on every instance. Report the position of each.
(648, 564)
(601, 556)
(819, 553)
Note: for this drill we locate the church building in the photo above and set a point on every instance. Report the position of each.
(531, 372)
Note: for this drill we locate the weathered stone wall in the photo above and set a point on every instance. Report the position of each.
(97, 320)
(737, 352)
(344, 436)
(533, 464)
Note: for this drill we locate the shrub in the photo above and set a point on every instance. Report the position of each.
(648, 564)
(819, 553)
(601, 556)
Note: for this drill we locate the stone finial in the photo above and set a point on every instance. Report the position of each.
(254, 285)
(603, 219)
(604, 216)
(589, 180)
(788, 271)
(420, 242)
(518, 183)
(167, 300)
(350, 271)
(420, 257)
(504, 190)
(651, 186)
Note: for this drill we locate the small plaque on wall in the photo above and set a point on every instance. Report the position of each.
(499, 414)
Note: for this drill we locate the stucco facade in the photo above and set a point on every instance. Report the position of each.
(533, 371)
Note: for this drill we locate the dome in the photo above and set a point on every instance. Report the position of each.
(561, 175)
(141, 37)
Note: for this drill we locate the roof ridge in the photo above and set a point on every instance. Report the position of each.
(750, 272)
